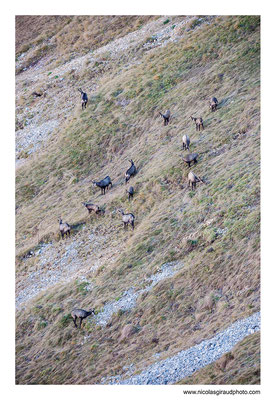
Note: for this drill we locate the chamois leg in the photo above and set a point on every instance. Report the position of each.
(74, 319)
(81, 321)
(132, 223)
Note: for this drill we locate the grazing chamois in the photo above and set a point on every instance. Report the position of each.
(103, 184)
(193, 179)
(130, 172)
(36, 94)
(186, 142)
(127, 219)
(188, 158)
(166, 116)
(64, 228)
(93, 207)
(130, 192)
(84, 99)
(213, 103)
(81, 314)
(198, 122)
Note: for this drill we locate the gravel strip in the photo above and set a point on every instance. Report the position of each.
(32, 137)
(188, 361)
(55, 268)
(129, 297)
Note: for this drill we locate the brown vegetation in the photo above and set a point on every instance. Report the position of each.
(213, 231)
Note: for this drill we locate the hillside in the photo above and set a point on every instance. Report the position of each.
(191, 266)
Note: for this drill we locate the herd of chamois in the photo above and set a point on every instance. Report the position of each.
(105, 184)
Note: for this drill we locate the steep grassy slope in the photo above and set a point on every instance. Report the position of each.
(64, 37)
(214, 231)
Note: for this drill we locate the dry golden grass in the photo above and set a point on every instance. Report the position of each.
(214, 231)
(64, 37)
(239, 367)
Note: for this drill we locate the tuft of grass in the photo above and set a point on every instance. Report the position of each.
(65, 320)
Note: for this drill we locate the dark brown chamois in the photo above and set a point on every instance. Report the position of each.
(130, 192)
(166, 117)
(81, 314)
(186, 142)
(93, 207)
(193, 179)
(84, 99)
(103, 184)
(130, 172)
(188, 158)
(213, 103)
(36, 94)
(198, 122)
(64, 228)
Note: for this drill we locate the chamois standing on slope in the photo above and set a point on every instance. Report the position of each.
(130, 172)
(103, 184)
(93, 207)
(64, 228)
(213, 103)
(127, 219)
(186, 142)
(81, 314)
(198, 122)
(166, 116)
(193, 179)
(188, 158)
(84, 99)
(130, 192)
